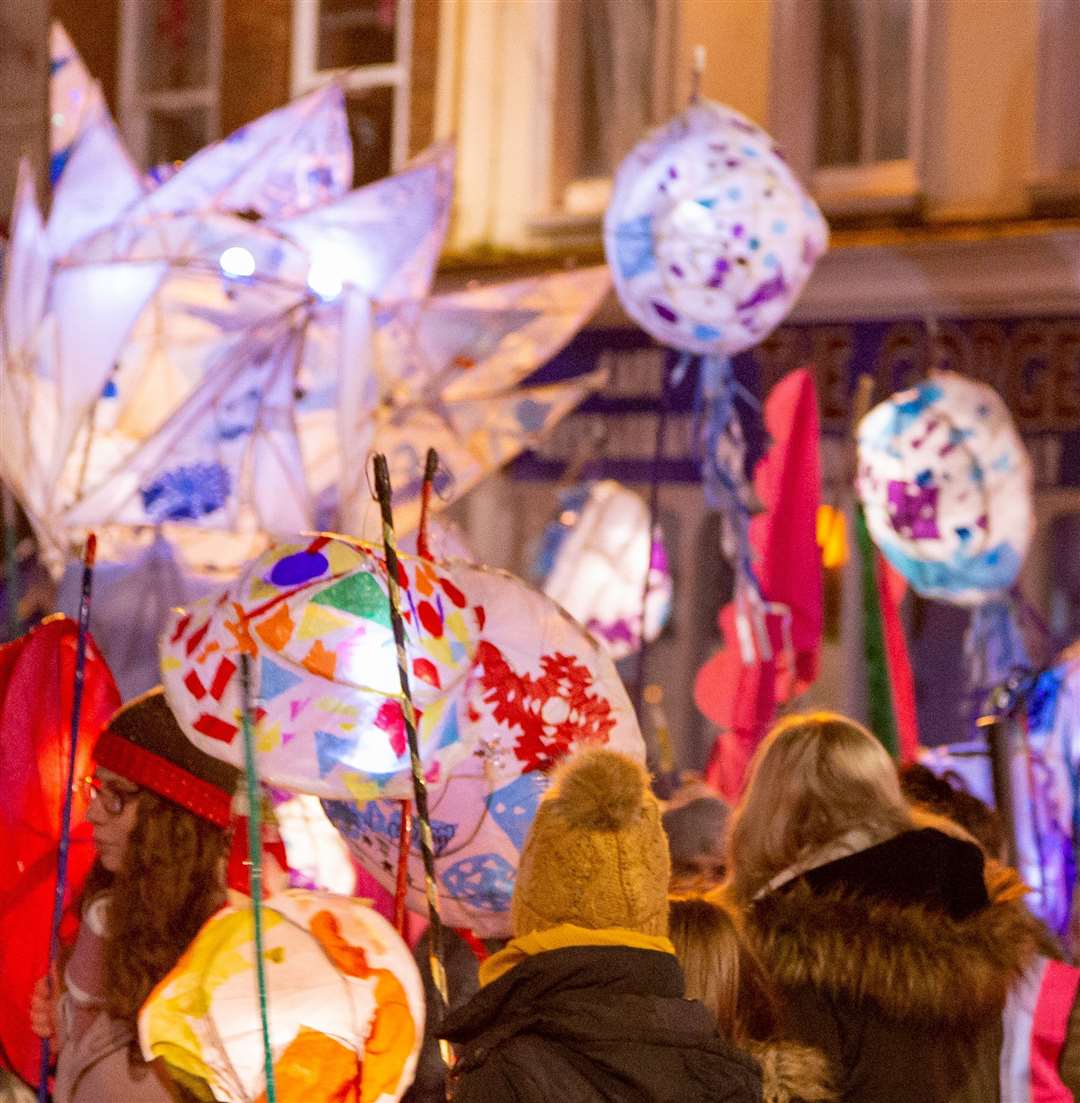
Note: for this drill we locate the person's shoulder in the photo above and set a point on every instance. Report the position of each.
(523, 1068)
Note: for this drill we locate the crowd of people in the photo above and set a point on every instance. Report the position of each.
(849, 932)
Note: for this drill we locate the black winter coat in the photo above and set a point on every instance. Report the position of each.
(896, 962)
(594, 1024)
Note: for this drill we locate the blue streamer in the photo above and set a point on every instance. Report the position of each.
(723, 459)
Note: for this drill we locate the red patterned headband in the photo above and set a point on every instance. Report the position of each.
(163, 777)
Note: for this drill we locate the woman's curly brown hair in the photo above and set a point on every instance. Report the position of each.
(169, 884)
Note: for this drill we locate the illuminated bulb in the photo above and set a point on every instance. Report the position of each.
(333, 264)
(237, 262)
(324, 280)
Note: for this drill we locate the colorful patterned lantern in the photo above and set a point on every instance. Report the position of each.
(314, 615)
(533, 701)
(594, 562)
(345, 999)
(945, 483)
(710, 236)
(214, 378)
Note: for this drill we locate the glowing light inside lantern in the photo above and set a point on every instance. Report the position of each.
(236, 262)
(326, 276)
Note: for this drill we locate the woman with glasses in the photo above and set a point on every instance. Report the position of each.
(159, 808)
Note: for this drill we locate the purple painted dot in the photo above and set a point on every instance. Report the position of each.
(296, 569)
(720, 268)
(738, 230)
(732, 163)
(673, 172)
(677, 271)
(665, 311)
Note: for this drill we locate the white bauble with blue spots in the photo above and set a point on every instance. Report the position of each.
(945, 483)
(709, 235)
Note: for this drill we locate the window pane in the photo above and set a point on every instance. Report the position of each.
(356, 32)
(611, 57)
(890, 138)
(175, 136)
(865, 81)
(371, 126)
(174, 44)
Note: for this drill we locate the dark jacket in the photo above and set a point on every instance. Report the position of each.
(896, 961)
(594, 1024)
(462, 967)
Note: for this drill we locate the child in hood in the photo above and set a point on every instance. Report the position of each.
(586, 1002)
(724, 973)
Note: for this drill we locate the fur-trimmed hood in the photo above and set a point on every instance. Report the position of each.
(912, 961)
(792, 1073)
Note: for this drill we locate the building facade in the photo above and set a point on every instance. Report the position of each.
(937, 135)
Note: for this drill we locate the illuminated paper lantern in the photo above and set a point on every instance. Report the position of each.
(345, 1005)
(709, 235)
(193, 372)
(946, 486)
(540, 689)
(313, 614)
(595, 559)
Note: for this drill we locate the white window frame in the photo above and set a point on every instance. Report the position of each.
(305, 76)
(870, 187)
(1056, 173)
(136, 106)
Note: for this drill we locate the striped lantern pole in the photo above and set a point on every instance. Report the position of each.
(427, 844)
(423, 549)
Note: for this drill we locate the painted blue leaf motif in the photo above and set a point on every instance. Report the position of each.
(634, 247)
(513, 807)
(187, 493)
(355, 820)
(442, 833)
(484, 882)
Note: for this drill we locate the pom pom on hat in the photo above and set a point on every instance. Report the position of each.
(596, 855)
(601, 791)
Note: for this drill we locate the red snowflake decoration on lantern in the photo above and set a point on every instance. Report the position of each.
(550, 712)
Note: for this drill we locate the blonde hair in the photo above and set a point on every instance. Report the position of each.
(720, 969)
(813, 778)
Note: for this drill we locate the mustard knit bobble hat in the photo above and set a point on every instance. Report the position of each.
(596, 855)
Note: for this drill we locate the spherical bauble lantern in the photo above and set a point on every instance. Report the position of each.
(946, 486)
(709, 235)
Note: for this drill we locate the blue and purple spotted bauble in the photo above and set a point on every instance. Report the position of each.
(945, 483)
(709, 235)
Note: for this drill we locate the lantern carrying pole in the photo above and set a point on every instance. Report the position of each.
(69, 789)
(255, 856)
(655, 752)
(431, 466)
(11, 563)
(423, 549)
(427, 845)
